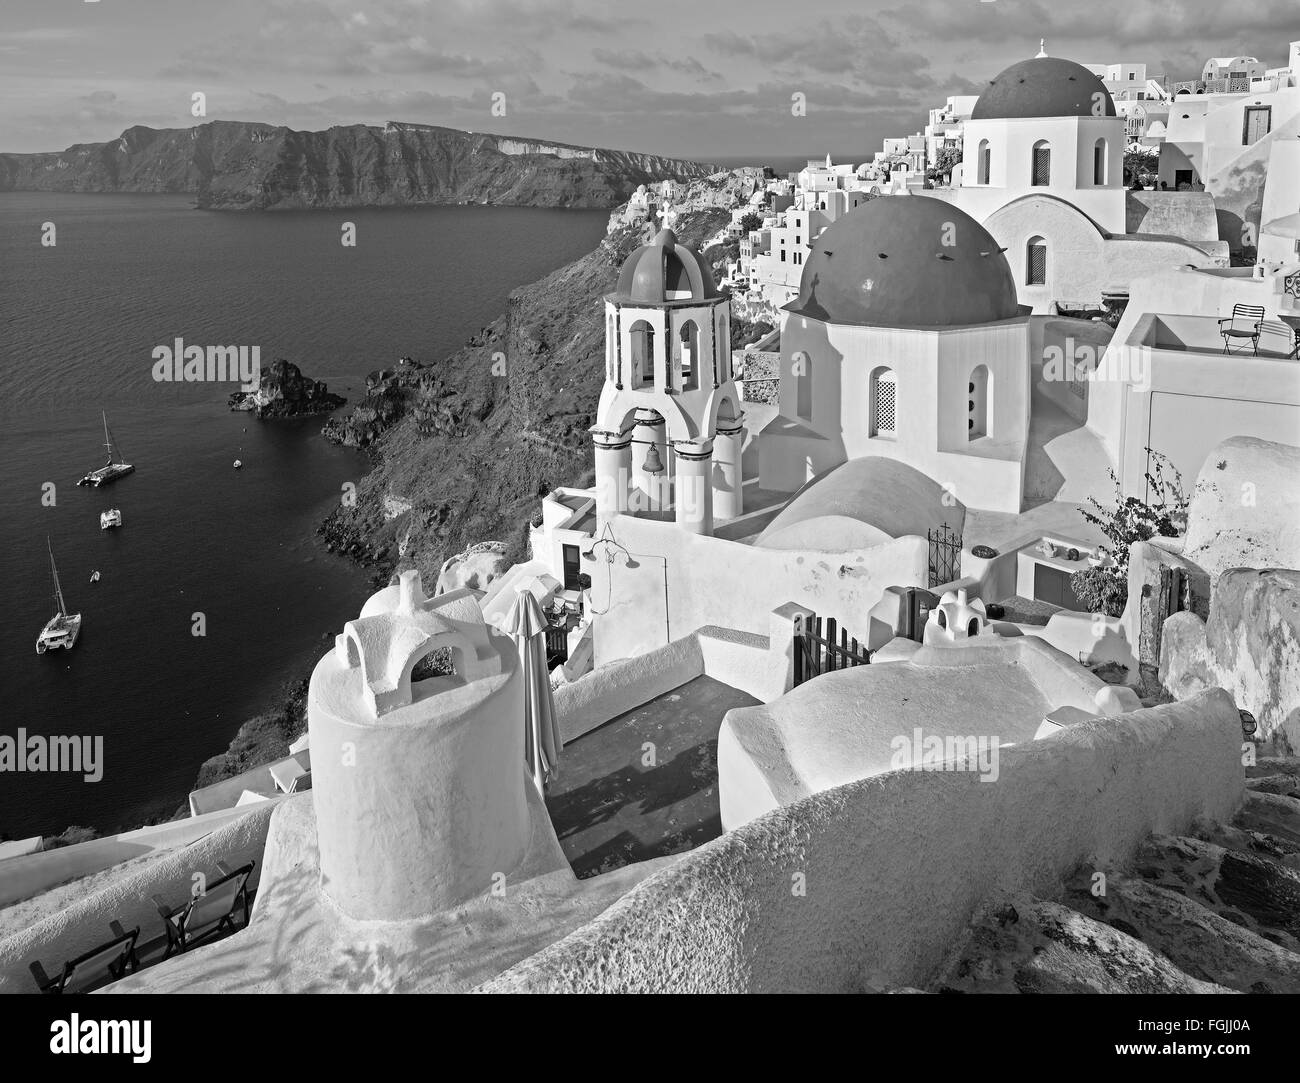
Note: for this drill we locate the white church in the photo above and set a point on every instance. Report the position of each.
(1043, 171)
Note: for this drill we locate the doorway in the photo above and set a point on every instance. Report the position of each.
(572, 568)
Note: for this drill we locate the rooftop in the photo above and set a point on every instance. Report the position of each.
(1044, 86)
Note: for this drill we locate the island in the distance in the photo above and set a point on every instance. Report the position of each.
(241, 165)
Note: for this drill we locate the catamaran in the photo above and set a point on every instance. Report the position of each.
(110, 518)
(111, 470)
(62, 629)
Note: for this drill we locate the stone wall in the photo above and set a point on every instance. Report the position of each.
(868, 885)
(1250, 646)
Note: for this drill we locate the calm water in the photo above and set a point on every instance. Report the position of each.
(77, 324)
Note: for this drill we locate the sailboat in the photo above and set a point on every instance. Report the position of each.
(111, 470)
(60, 630)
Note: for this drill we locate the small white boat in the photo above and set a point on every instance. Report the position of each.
(94, 577)
(110, 518)
(62, 629)
(238, 464)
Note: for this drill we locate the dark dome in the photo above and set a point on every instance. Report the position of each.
(1045, 86)
(886, 265)
(664, 271)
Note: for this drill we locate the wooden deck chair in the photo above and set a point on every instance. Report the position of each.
(1243, 327)
(209, 914)
(97, 967)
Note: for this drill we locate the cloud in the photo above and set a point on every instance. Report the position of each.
(636, 60)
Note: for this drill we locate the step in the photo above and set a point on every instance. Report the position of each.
(1037, 946)
(1255, 892)
(1196, 939)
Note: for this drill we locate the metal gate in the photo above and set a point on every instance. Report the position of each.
(557, 646)
(945, 555)
(815, 653)
(1173, 598)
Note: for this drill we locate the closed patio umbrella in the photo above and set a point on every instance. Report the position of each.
(526, 624)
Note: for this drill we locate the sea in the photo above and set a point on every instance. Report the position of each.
(215, 591)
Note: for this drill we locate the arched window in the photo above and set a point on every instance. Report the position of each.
(977, 403)
(884, 403)
(690, 355)
(721, 347)
(611, 351)
(1042, 164)
(641, 341)
(1036, 262)
(983, 163)
(801, 370)
(1099, 162)
(941, 620)
(973, 626)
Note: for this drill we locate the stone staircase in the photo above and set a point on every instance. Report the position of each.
(1213, 911)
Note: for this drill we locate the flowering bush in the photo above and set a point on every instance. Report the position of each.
(1105, 589)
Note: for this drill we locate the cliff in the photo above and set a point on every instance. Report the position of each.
(464, 454)
(244, 165)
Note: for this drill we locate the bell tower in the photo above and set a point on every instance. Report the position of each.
(669, 429)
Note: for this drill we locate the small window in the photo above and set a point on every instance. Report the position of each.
(1036, 262)
(983, 163)
(884, 403)
(1042, 164)
(1099, 162)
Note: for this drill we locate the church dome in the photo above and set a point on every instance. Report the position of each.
(886, 264)
(664, 271)
(1044, 86)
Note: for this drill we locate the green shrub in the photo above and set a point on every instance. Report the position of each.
(1105, 590)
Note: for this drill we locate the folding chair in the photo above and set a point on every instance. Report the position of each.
(209, 914)
(97, 967)
(1241, 327)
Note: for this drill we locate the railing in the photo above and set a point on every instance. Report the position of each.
(557, 646)
(815, 654)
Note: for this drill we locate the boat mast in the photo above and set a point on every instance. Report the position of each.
(58, 591)
(108, 440)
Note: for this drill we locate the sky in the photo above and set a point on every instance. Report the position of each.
(705, 79)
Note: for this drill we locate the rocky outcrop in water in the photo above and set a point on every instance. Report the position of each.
(283, 391)
(237, 165)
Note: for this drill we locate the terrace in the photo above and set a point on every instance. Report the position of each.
(1200, 334)
(644, 784)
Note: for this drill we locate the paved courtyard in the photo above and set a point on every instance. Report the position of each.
(613, 804)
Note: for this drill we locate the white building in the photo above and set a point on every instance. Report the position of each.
(1221, 143)
(906, 342)
(1043, 170)
(772, 257)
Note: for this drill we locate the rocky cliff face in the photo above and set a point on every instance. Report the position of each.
(511, 411)
(240, 165)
